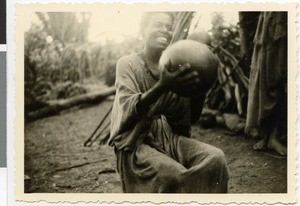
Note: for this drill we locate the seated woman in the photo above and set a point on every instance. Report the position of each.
(150, 125)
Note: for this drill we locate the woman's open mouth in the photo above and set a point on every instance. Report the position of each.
(163, 40)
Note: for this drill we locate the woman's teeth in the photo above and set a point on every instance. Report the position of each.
(162, 39)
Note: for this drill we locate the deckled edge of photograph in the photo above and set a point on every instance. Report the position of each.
(22, 11)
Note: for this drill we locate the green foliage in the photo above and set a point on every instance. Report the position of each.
(67, 27)
(60, 63)
(225, 35)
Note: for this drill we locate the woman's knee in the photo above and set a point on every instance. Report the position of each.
(169, 178)
(218, 167)
(217, 158)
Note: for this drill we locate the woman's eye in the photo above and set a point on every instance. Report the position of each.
(169, 28)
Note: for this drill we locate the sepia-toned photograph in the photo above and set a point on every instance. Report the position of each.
(155, 101)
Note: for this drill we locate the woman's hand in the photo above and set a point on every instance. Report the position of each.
(182, 77)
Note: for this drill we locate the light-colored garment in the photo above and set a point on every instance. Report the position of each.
(154, 151)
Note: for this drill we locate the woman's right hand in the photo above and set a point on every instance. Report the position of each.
(184, 76)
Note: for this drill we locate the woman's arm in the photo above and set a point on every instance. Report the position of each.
(149, 97)
(196, 107)
(166, 82)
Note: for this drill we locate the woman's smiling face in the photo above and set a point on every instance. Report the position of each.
(158, 32)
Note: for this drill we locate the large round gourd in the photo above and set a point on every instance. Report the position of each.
(201, 36)
(200, 58)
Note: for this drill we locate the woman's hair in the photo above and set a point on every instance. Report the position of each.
(147, 16)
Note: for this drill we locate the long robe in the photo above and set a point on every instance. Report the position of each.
(267, 101)
(154, 151)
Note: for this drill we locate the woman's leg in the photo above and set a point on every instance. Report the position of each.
(206, 167)
(188, 166)
(147, 170)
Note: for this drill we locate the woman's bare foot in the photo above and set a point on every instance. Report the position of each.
(277, 146)
(261, 145)
(274, 143)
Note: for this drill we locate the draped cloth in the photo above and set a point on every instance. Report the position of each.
(267, 99)
(154, 151)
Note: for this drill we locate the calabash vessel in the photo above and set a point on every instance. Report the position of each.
(201, 36)
(200, 58)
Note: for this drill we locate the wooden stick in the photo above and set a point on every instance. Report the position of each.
(90, 140)
(243, 78)
(72, 166)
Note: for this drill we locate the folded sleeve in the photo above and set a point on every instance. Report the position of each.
(124, 113)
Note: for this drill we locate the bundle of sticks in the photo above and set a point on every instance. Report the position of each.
(230, 91)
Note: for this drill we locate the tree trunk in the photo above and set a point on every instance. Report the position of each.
(55, 106)
(248, 23)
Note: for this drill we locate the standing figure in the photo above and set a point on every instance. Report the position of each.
(267, 102)
(150, 125)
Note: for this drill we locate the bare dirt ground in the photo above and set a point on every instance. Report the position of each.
(57, 162)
